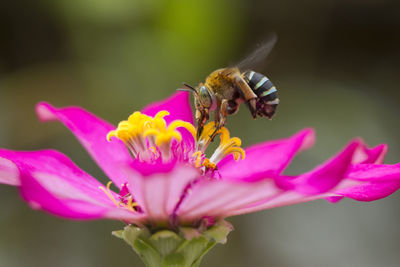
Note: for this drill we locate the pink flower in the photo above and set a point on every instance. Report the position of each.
(163, 177)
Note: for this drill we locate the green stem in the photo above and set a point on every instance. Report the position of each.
(166, 248)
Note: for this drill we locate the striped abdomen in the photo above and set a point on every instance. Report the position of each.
(265, 90)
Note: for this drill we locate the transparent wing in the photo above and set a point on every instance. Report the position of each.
(259, 55)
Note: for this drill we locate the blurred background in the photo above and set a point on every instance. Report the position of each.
(336, 66)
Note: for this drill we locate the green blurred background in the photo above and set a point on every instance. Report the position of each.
(336, 66)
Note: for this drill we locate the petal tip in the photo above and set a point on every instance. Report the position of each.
(9, 173)
(178, 104)
(308, 136)
(45, 111)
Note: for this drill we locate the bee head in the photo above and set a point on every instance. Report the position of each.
(204, 96)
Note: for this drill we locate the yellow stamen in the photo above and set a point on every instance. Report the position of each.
(209, 165)
(237, 152)
(131, 205)
(111, 134)
(161, 114)
(134, 131)
(198, 156)
(107, 191)
(208, 134)
(182, 124)
(228, 145)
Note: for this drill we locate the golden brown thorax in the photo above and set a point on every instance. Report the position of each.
(221, 81)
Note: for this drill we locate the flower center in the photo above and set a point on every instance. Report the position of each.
(149, 139)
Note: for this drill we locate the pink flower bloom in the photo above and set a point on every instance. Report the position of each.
(162, 175)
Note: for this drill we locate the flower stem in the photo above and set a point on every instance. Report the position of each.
(166, 248)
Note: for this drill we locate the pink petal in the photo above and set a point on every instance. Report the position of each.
(283, 198)
(158, 193)
(219, 198)
(91, 131)
(269, 158)
(363, 182)
(370, 155)
(178, 106)
(368, 191)
(298, 189)
(368, 182)
(50, 181)
(9, 173)
(328, 175)
(374, 172)
(39, 198)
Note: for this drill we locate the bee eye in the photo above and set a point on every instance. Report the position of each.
(205, 97)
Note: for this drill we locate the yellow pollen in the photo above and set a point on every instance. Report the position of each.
(197, 155)
(164, 134)
(132, 128)
(209, 165)
(153, 149)
(134, 131)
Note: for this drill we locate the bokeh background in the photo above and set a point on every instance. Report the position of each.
(336, 66)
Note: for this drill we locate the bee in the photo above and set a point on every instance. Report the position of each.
(225, 89)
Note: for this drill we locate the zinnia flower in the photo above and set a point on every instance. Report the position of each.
(171, 191)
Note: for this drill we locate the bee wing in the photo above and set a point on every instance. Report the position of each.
(259, 55)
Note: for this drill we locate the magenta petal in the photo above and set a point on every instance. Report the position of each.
(50, 181)
(370, 155)
(283, 198)
(158, 194)
(219, 198)
(91, 131)
(178, 106)
(374, 172)
(271, 157)
(57, 173)
(328, 175)
(368, 182)
(39, 198)
(9, 173)
(75, 206)
(368, 191)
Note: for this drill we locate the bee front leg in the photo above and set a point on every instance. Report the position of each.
(201, 117)
(220, 115)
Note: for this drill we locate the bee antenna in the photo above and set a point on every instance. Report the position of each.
(188, 88)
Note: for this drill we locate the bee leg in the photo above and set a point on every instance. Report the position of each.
(247, 93)
(201, 117)
(217, 118)
(221, 113)
(224, 112)
(251, 104)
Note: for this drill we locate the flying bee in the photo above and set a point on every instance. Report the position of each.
(225, 89)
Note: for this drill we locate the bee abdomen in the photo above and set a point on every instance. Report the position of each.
(265, 90)
(261, 85)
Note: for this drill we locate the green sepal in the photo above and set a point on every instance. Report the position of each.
(165, 248)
